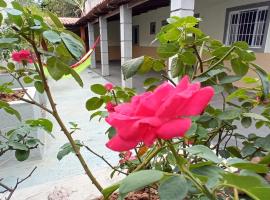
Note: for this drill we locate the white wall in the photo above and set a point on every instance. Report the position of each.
(213, 13)
(113, 32)
(144, 20)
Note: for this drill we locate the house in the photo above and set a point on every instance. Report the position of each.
(127, 27)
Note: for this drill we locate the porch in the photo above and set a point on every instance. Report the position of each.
(128, 29)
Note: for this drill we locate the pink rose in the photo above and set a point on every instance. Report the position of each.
(110, 107)
(108, 86)
(22, 56)
(162, 114)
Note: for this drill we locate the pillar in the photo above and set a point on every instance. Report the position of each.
(126, 39)
(91, 41)
(104, 46)
(181, 8)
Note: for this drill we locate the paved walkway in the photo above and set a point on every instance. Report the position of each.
(70, 100)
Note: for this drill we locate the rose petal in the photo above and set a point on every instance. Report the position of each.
(118, 144)
(198, 102)
(174, 128)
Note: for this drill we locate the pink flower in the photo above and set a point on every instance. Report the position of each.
(108, 86)
(127, 156)
(162, 114)
(22, 56)
(110, 107)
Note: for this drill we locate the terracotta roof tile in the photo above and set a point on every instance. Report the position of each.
(69, 20)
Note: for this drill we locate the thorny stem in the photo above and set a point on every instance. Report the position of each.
(167, 78)
(184, 170)
(218, 62)
(58, 118)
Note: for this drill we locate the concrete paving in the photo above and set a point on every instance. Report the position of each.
(70, 99)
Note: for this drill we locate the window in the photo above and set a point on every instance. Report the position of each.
(247, 25)
(135, 34)
(153, 28)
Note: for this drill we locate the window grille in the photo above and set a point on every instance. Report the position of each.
(247, 25)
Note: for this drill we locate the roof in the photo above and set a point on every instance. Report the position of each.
(68, 21)
(102, 8)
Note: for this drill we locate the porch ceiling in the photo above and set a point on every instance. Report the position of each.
(110, 6)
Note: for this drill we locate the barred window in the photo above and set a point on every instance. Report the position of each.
(247, 25)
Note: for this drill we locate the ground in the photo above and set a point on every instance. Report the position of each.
(70, 100)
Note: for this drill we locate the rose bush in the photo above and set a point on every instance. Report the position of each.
(178, 145)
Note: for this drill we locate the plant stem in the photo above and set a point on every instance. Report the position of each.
(184, 170)
(59, 120)
(235, 194)
(218, 62)
(148, 159)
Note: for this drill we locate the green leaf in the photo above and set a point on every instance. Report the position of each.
(234, 151)
(52, 36)
(76, 76)
(243, 164)
(241, 44)
(168, 50)
(150, 81)
(46, 124)
(10, 110)
(229, 79)
(55, 20)
(246, 122)
(18, 146)
(255, 116)
(229, 114)
(39, 86)
(251, 185)
(177, 67)
(22, 155)
(139, 180)
(3, 4)
(203, 152)
(57, 69)
(131, 67)
(13, 11)
(98, 89)
(174, 188)
(74, 46)
(264, 79)
(211, 172)
(240, 68)
(109, 190)
(1, 19)
(27, 80)
(111, 132)
(188, 58)
(8, 40)
(94, 103)
(67, 149)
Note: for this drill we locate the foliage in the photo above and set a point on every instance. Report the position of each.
(213, 160)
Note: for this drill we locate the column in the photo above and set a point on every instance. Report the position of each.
(126, 39)
(91, 39)
(104, 46)
(182, 8)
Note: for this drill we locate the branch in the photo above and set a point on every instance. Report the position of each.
(102, 158)
(18, 182)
